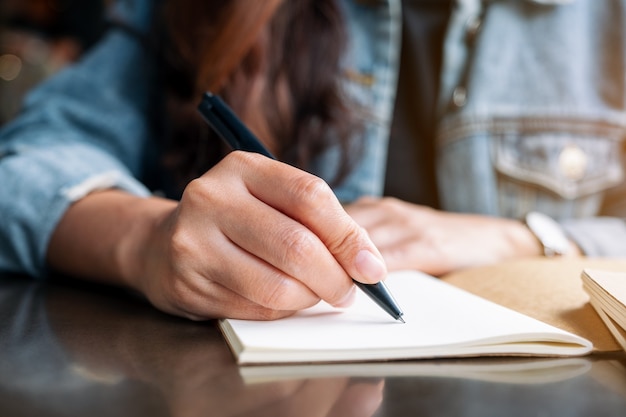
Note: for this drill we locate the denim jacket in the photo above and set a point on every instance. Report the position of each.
(532, 110)
(532, 116)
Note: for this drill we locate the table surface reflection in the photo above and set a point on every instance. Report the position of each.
(75, 349)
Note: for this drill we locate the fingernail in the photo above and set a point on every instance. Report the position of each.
(369, 266)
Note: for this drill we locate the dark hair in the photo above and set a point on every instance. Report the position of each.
(276, 63)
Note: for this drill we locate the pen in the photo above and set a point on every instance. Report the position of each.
(232, 130)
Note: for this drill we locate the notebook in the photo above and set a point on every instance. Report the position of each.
(442, 321)
(547, 289)
(607, 295)
(503, 370)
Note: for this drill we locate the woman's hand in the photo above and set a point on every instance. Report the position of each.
(416, 237)
(252, 238)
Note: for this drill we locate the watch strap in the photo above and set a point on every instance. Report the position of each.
(549, 233)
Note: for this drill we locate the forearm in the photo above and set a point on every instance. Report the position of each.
(86, 128)
(104, 236)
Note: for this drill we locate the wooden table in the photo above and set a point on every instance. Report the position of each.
(72, 349)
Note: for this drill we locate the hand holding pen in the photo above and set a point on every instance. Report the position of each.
(251, 238)
(366, 265)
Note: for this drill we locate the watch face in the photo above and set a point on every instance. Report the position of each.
(549, 233)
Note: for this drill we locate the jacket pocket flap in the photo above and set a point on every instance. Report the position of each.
(570, 166)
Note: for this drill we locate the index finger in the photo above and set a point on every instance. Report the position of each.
(310, 201)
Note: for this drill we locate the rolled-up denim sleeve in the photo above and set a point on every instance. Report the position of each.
(83, 130)
(598, 236)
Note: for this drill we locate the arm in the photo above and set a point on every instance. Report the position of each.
(59, 149)
(598, 236)
(604, 235)
(251, 238)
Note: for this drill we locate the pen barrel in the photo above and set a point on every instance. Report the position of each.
(228, 126)
(381, 295)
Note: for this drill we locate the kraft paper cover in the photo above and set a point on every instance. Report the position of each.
(548, 289)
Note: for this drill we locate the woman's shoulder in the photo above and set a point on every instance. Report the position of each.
(135, 14)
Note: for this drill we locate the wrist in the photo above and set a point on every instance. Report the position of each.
(139, 246)
(524, 242)
(550, 236)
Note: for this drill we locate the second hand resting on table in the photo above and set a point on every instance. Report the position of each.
(411, 236)
(252, 238)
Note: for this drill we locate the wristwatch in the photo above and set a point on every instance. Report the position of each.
(549, 233)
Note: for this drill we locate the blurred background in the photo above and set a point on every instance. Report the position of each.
(38, 38)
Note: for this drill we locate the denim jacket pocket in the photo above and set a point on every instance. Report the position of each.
(568, 165)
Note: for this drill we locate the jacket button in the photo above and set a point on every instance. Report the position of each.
(573, 162)
(459, 96)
